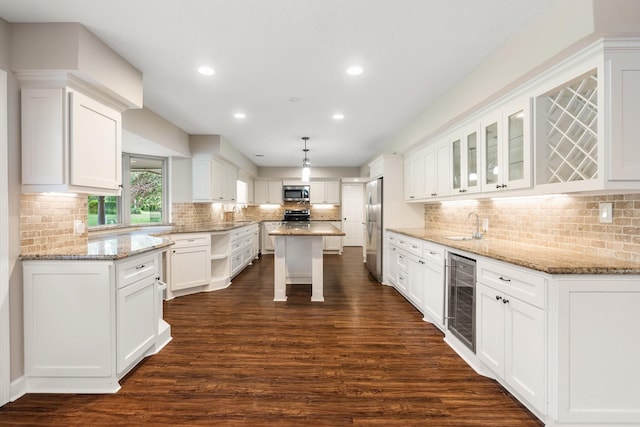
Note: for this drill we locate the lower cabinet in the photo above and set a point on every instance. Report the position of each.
(190, 261)
(511, 336)
(88, 323)
(208, 261)
(435, 288)
(416, 283)
(334, 243)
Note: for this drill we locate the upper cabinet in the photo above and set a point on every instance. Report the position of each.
(436, 169)
(268, 192)
(71, 142)
(327, 192)
(587, 126)
(213, 181)
(465, 161)
(572, 128)
(506, 147)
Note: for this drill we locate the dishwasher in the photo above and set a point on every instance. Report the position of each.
(461, 288)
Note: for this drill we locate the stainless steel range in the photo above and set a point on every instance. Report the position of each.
(296, 215)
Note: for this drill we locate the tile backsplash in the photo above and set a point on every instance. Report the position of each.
(570, 223)
(187, 214)
(47, 222)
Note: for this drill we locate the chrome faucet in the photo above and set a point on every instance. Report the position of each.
(477, 235)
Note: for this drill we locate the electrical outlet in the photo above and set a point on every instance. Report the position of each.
(485, 225)
(78, 227)
(606, 212)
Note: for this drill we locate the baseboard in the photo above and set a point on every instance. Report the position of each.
(17, 388)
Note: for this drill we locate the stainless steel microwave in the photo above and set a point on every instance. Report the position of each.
(295, 193)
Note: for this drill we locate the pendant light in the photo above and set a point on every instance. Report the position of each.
(306, 170)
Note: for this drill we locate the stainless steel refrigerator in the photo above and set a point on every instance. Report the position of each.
(374, 228)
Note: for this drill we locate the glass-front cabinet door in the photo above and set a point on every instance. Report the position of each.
(465, 160)
(491, 159)
(506, 160)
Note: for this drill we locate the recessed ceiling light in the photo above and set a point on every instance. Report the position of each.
(259, 155)
(355, 70)
(338, 116)
(239, 115)
(207, 71)
(294, 99)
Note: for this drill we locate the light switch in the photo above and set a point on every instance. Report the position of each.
(78, 227)
(606, 212)
(485, 225)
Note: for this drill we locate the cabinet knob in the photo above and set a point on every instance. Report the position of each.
(498, 297)
(505, 301)
(174, 251)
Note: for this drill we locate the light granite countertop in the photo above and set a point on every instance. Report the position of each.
(302, 228)
(211, 228)
(540, 258)
(104, 248)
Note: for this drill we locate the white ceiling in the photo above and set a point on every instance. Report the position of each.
(266, 52)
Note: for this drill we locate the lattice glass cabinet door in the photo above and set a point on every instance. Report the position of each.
(472, 160)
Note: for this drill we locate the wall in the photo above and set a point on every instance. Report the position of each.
(71, 47)
(564, 27)
(569, 223)
(14, 178)
(145, 132)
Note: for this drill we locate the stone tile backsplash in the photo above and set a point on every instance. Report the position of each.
(47, 222)
(570, 223)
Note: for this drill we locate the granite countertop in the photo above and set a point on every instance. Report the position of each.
(210, 228)
(540, 258)
(302, 228)
(107, 248)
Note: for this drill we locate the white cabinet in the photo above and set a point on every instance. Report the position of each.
(268, 241)
(434, 293)
(70, 143)
(213, 181)
(414, 176)
(243, 244)
(465, 161)
(416, 284)
(87, 323)
(333, 243)
(268, 192)
(506, 148)
(436, 170)
(511, 333)
(136, 310)
(327, 192)
(407, 268)
(586, 127)
(189, 260)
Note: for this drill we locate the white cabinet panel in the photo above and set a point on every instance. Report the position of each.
(268, 192)
(70, 143)
(137, 321)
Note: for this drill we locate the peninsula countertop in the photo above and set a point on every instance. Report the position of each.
(303, 228)
(104, 248)
(536, 257)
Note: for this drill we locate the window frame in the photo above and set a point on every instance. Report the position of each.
(124, 215)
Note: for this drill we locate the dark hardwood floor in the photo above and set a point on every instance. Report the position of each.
(363, 357)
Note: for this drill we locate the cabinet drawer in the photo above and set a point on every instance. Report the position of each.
(526, 285)
(411, 245)
(186, 240)
(433, 252)
(402, 259)
(137, 268)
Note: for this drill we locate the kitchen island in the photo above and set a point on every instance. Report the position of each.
(298, 256)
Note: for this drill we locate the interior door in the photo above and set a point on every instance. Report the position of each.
(353, 214)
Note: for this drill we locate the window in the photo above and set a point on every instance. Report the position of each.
(144, 193)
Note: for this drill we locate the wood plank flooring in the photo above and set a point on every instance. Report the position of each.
(362, 357)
